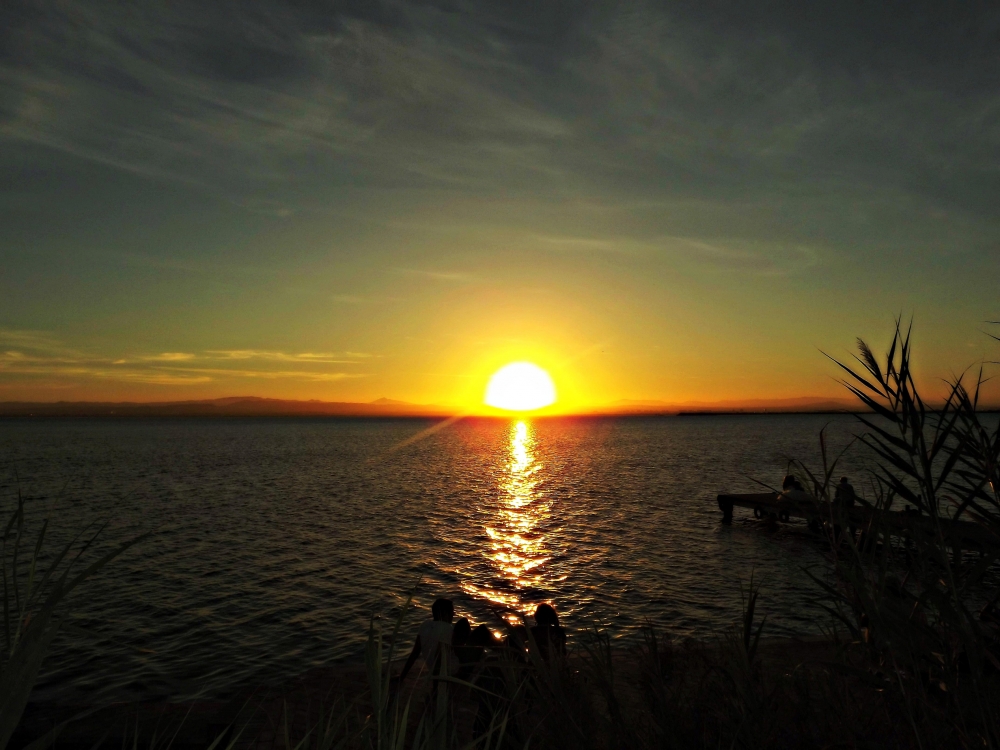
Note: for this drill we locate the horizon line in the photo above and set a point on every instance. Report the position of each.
(258, 406)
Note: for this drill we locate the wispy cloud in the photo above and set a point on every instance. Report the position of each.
(436, 275)
(363, 299)
(612, 103)
(580, 244)
(243, 354)
(167, 357)
(210, 106)
(39, 343)
(743, 255)
(83, 371)
(349, 299)
(40, 354)
(730, 254)
(315, 376)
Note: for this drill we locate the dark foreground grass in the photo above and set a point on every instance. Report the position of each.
(659, 694)
(908, 663)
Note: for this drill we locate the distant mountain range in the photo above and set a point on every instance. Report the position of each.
(251, 406)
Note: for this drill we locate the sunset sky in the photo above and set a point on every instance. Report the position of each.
(347, 201)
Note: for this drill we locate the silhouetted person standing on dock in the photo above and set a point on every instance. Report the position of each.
(844, 496)
(844, 499)
(433, 638)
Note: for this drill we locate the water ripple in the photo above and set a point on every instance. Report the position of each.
(277, 539)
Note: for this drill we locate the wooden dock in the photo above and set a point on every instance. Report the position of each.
(960, 535)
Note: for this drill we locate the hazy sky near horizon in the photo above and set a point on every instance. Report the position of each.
(346, 201)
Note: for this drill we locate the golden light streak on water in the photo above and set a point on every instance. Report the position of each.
(517, 545)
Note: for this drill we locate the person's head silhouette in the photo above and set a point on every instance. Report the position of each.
(443, 610)
(482, 637)
(789, 482)
(461, 633)
(546, 615)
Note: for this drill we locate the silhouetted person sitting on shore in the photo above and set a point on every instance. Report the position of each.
(792, 489)
(433, 634)
(482, 637)
(790, 484)
(547, 633)
(467, 653)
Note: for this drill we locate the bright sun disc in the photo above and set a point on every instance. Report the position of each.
(520, 386)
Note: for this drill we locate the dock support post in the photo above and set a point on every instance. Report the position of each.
(726, 506)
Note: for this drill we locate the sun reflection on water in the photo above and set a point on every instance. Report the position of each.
(517, 548)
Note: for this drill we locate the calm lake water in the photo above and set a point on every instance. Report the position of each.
(275, 540)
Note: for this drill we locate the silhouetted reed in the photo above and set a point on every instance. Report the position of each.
(35, 590)
(908, 602)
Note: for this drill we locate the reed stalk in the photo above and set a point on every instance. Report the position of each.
(34, 601)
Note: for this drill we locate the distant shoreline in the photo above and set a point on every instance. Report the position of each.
(764, 412)
(253, 407)
(129, 414)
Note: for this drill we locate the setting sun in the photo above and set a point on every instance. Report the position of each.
(520, 386)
